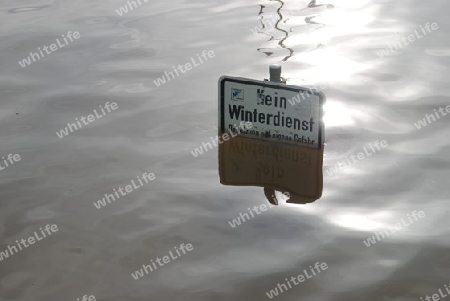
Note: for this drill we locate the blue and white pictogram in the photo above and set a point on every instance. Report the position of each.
(237, 94)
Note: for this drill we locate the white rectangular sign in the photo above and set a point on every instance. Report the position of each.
(278, 112)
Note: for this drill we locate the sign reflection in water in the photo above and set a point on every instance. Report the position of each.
(275, 166)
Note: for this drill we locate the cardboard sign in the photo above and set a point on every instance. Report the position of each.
(278, 112)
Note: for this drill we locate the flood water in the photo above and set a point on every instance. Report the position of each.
(117, 58)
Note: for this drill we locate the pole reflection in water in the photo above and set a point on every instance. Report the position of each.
(295, 171)
(282, 25)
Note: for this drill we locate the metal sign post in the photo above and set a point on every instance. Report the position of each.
(275, 74)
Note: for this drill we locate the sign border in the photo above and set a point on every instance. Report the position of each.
(274, 85)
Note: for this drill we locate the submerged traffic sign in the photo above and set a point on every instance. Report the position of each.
(278, 112)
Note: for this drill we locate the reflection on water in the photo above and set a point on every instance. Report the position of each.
(285, 36)
(277, 27)
(295, 171)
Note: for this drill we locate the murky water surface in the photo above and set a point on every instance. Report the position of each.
(373, 94)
